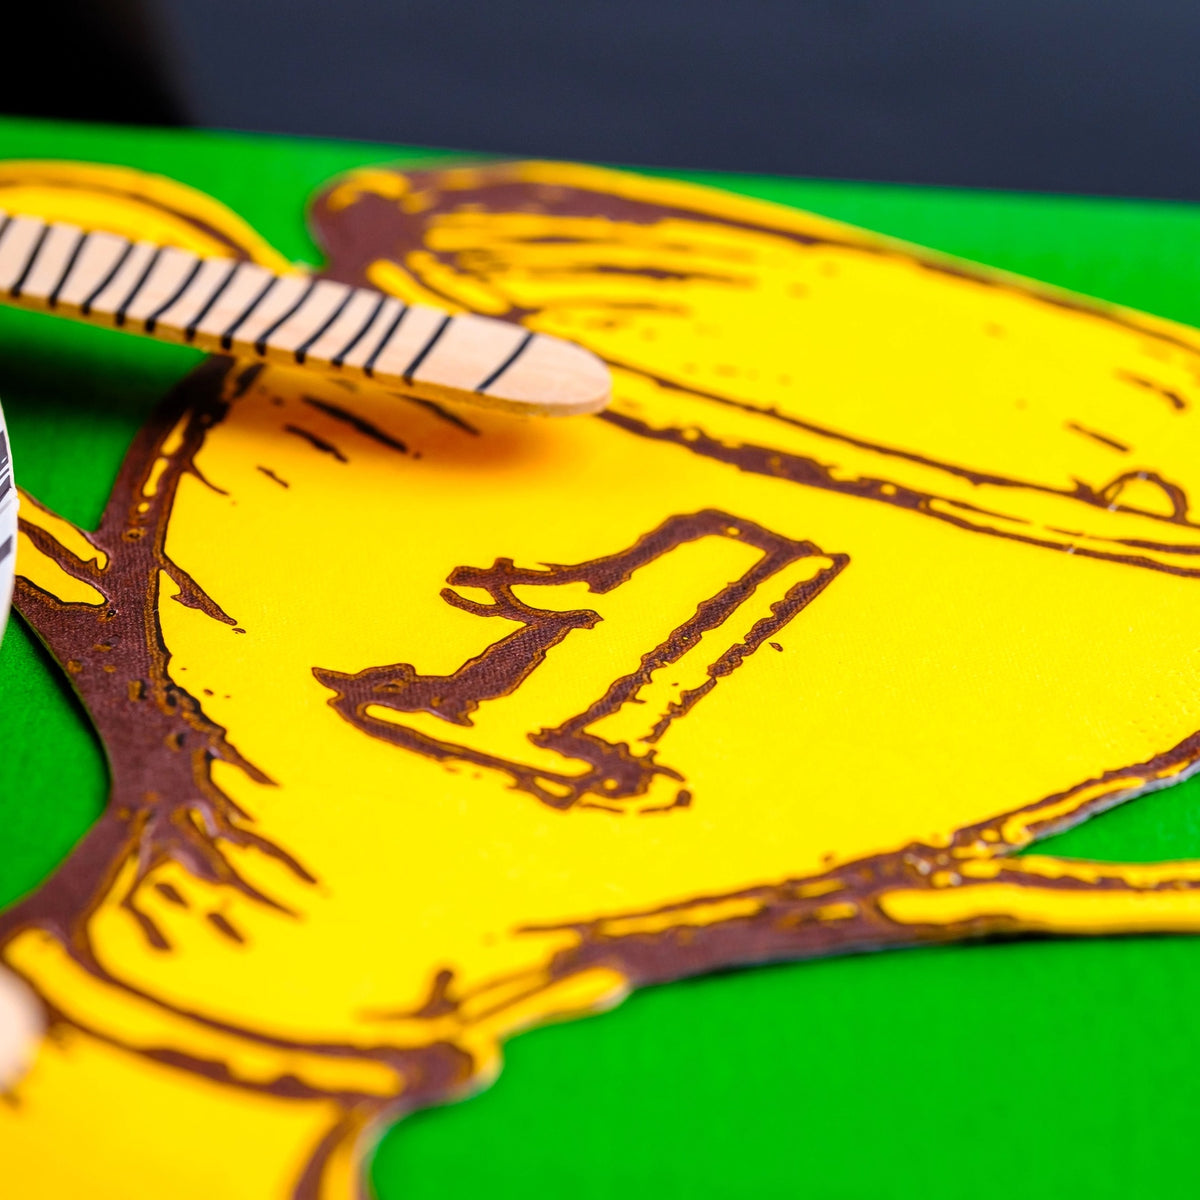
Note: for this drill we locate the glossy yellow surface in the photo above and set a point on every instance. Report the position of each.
(999, 476)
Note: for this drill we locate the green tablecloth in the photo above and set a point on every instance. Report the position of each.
(1056, 1068)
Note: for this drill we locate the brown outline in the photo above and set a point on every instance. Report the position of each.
(161, 745)
(614, 770)
(356, 234)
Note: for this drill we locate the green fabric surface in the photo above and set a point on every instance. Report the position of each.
(1056, 1068)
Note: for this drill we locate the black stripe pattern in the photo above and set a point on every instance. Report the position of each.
(38, 242)
(388, 334)
(340, 357)
(301, 351)
(508, 362)
(260, 346)
(189, 334)
(86, 307)
(72, 259)
(246, 313)
(132, 295)
(331, 326)
(152, 319)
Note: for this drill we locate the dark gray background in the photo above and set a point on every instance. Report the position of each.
(1063, 95)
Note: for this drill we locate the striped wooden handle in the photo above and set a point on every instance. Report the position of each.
(234, 307)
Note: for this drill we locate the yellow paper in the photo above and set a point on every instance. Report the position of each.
(429, 725)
